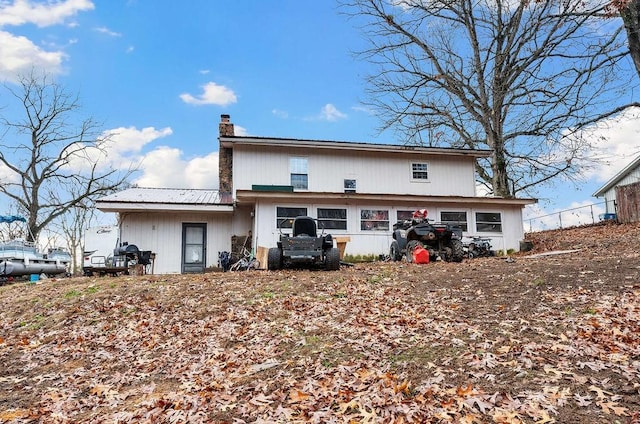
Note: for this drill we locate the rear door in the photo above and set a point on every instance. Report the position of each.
(194, 247)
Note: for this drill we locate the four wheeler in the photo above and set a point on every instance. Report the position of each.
(304, 248)
(479, 247)
(441, 240)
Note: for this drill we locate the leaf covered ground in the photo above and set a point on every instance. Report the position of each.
(528, 339)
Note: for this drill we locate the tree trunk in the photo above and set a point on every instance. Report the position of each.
(631, 18)
(500, 181)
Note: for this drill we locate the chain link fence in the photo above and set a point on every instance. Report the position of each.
(580, 215)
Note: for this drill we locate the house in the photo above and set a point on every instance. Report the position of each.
(356, 190)
(620, 193)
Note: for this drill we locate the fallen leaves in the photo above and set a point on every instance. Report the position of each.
(474, 342)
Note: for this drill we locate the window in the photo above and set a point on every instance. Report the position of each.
(402, 215)
(374, 220)
(419, 171)
(332, 219)
(284, 216)
(455, 218)
(349, 186)
(299, 174)
(488, 222)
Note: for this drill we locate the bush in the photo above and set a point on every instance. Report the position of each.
(354, 259)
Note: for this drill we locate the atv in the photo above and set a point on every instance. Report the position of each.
(479, 247)
(443, 241)
(304, 248)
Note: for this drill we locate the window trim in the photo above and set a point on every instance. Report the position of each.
(362, 221)
(322, 220)
(465, 212)
(294, 171)
(280, 218)
(487, 223)
(348, 188)
(412, 165)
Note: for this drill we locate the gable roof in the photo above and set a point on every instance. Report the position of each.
(166, 199)
(618, 177)
(231, 141)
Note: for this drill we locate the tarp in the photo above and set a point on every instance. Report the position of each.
(11, 218)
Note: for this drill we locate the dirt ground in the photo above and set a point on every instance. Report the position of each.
(550, 336)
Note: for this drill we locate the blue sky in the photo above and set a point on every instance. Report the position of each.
(158, 74)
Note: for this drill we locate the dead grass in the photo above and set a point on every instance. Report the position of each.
(534, 340)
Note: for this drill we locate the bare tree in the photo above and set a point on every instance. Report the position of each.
(73, 225)
(54, 158)
(517, 77)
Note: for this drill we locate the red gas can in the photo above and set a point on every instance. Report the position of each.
(420, 255)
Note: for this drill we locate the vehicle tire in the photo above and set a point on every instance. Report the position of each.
(332, 259)
(274, 259)
(410, 247)
(457, 251)
(394, 251)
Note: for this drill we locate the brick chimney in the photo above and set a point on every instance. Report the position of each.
(225, 156)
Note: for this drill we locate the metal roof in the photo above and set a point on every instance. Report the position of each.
(229, 141)
(616, 178)
(142, 198)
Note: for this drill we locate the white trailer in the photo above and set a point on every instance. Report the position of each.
(99, 245)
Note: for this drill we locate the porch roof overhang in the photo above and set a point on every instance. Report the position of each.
(250, 196)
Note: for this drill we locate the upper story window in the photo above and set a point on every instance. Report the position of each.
(349, 186)
(332, 219)
(285, 216)
(420, 171)
(298, 168)
(488, 222)
(455, 218)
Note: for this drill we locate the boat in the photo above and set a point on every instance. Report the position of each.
(20, 257)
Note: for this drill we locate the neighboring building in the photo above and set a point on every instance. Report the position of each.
(356, 190)
(628, 176)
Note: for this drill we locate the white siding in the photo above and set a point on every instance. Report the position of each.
(162, 234)
(377, 242)
(610, 195)
(327, 170)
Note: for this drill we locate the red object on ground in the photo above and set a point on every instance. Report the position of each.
(420, 255)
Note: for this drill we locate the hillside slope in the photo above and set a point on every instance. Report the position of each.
(528, 339)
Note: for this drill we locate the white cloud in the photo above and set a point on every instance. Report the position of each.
(18, 55)
(616, 142)
(107, 31)
(364, 109)
(212, 94)
(42, 14)
(164, 167)
(120, 148)
(240, 131)
(280, 113)
(123, 140)
(330, 113)
(202, 172)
